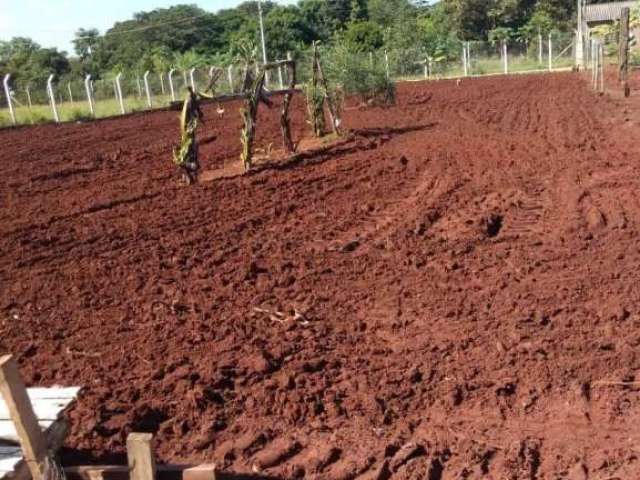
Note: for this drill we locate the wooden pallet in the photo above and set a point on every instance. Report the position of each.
(31, 426)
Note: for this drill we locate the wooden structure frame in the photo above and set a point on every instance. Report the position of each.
(23, 421)
(255, 94)
(317, 111)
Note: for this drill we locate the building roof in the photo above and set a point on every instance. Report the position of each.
(606, 12)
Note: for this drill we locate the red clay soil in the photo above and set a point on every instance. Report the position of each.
(453, 294)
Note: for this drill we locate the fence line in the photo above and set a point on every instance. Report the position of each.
(126, 92)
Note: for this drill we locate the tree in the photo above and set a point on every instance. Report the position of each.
(85, 42)
(363, 37)
(386, 13)
(325, 17)
(27, 61)
(437, 36)
(287, 31)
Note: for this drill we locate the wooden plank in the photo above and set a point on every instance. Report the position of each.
(44, 408)
(623, 53)
(55, 435)
(164, 472)
(32, 440)
(142, 461)
(9, 458)
(53, 392)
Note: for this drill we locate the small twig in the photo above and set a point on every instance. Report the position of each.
(82, 354)
(612, 383)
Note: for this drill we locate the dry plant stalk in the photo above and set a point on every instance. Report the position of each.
(249, 114)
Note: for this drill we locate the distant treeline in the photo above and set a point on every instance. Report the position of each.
(186, 36)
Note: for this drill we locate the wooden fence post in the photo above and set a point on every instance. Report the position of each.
(140, 455)
(32, 440)
(623, 55)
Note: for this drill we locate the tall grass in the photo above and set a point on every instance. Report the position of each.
(78, 110)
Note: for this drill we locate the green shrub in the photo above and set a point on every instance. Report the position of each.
(77, 115)
(359, 75)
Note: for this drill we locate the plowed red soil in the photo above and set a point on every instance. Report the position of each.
(452, 294)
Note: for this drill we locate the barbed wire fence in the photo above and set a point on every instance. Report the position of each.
(72, 99)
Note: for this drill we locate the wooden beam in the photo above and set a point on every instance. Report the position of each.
(623, 54)
(164, 472)
(177, 105)
(32, 440)
(142, 461)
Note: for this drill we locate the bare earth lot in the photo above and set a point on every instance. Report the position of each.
(453, 294)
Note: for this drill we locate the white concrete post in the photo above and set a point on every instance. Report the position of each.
(193, 82)
(119, 87)
(505, 56)
(28, 92)
(89, 90)
(171, 89)
(601, 68)
(280, 77)
(465, 67)
(7, 92)
(469, 58)
(550, 53)
(539, 48)
(426, 68)
(146, 88)
(386, 64)
(580, 39)
(115, 90)
(52, 98)
(161, 75)
(70, 92)
(230, 75)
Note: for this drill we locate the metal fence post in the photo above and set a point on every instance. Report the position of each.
(89, 90)
(28, 92)
(7, 92)
(119, 87)
(550, 53)
(70, 92)
(52, 98)
(171, 89)
(139, 86)
(146, 87)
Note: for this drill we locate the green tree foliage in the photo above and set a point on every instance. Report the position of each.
(27, 61)
(293, 31)
(362, 36)
(437, 36)
(188, 35)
